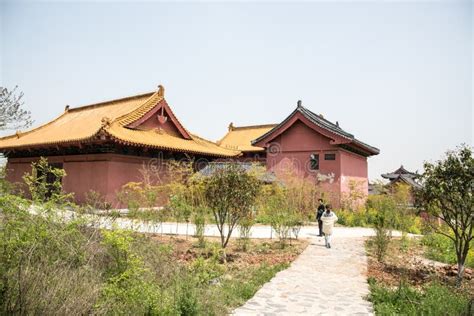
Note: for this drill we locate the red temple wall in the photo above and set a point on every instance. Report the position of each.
(354, 170)
(103, 173)
(293, 149)
(125, 169)
(84, 176)
(15, 171)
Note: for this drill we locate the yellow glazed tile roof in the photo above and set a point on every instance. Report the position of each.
(240, 138)
(109, 118)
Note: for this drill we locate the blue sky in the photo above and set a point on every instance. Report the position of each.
(398, 75)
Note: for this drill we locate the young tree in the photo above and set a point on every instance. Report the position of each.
(447, 195)
(230, 193)
(12, 114)
(45, 183)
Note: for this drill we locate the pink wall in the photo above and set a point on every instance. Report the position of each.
(15, 170)
(355, 174)
(354, 168)
(292, 149)
(84, 176)
(103, 173)
(125, 169)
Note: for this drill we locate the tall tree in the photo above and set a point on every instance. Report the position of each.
(12, 114)
(447, 194)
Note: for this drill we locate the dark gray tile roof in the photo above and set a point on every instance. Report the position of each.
(323, 123)
(409, 180)
(400, 171)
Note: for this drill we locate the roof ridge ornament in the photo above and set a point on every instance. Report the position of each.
(231, 127)
(161, 91)
(66, 108)
(161, 117)
(299, 104)
(106, 121)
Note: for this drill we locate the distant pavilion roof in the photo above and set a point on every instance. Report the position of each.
(240, 138)
(115, 120)
(400, 171)
(401, 174)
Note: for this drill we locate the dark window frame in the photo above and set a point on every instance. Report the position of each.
(314, 161)
(330, 156)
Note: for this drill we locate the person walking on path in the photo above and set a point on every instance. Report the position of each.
(328, 218)
(319, 213)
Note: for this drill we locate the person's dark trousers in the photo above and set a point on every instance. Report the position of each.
(320, 226)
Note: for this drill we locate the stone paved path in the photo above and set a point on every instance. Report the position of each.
(319, 282)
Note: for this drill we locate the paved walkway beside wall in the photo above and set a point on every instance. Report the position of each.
(319, 282)
(169, 228)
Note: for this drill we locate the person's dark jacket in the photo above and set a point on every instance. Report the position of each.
(320, 212)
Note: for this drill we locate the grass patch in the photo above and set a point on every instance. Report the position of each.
(405, 284)
(245, 283)
(431, 299)
(441, 248)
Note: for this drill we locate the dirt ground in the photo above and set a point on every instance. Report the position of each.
(408, 264)
(268, 251)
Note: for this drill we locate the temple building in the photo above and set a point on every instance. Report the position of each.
(401, 175)
(103, 146)
(312, 146)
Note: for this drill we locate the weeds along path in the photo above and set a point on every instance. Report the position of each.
(319, 282)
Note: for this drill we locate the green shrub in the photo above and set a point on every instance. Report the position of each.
(281, 224)
(205, 270)
(187, 301)
(45, 264)
(441, 248)
(263, 218)
(199, 219)
(404, 220)
(129, 288)
(433, 299)
(296, 222)
(345, 218)
(245, 226)
(381, 241)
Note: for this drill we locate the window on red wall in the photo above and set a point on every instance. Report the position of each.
(314, 162)
(329, 156)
